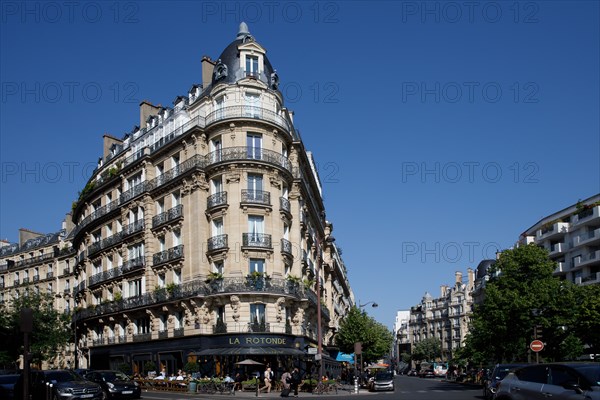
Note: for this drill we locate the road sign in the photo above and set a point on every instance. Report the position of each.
(312, 350)
(536, 346)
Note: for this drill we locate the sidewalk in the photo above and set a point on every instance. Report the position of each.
(347, 391)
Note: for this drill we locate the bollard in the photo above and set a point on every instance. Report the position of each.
(355, 384)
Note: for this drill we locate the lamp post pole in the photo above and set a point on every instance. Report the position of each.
(319, 327)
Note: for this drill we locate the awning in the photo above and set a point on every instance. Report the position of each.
(254, 350)
(344, 357)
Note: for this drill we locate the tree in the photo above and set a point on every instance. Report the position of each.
(51, 329)
(375, 337)
(523, 294)
(587, 316)
(427, 350)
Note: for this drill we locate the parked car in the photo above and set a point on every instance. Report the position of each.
(115, 384)
(559, 381)
(66, 385)
(383, 381)
(426, 373)
(7, 386)
(412, 372)
(490, 384)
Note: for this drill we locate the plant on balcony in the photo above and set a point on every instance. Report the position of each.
(293, 279)
(214, 276)
(308, 283)
(118, 296)
(258, 279)
(258, 326)
(113, 171)
(171, 288)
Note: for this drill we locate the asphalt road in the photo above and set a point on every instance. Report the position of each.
(406, 388)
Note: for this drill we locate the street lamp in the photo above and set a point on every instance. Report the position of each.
(373, 304)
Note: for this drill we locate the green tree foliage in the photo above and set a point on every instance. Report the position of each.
(522, 294)
(587, 316)
(375, 337)
(427, 350)
(51, 329)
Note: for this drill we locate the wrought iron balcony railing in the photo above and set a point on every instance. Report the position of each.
(284, 205)
(167, 216)
(171, 254)
(245, 111)
(259, 327)
(256, 197)
(244, 153)
(260, 240)
(217, 199)
(217, 242)
(286, 246)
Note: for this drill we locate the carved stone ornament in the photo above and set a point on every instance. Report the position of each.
(280, 303)
(221, 71)
(235, 306)
(275, 182)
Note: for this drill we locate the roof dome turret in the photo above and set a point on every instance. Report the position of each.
(244, 58)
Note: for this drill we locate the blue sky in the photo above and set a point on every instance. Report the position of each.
(442, 130)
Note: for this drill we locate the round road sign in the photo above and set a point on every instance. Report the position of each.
(536, 346)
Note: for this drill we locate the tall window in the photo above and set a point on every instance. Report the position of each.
(251, 105)
(134, 180)
(251, 65)
(177, 277)
(218, 267)
(217, 226)
(220, 108)
(160, 206)
(135, 288)
(257, 313)
(175, 199)
(255, 185)
(161, 243)
(255, 226)
(216, 149)
(216, 185)
(257, 265)
(176, 237)
(254, 146)
(142, 325)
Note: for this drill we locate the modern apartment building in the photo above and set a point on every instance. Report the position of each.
(445, 318)
(572, 238)
(201, 236)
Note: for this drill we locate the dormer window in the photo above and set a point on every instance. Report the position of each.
(252, 66)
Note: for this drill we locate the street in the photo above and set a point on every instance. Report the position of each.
(406, 388)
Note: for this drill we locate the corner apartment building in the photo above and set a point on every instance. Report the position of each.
(572, 238)
(445, 318)
(201, 235)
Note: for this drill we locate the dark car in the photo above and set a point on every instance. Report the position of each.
(115, 384)
(382, 381)
(7, 386)
(559, 381)
(65, 385)
(426, 373)
(490, 385)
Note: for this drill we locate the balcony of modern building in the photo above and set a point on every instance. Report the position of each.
(587, 259)
(552, 230)
(590, 215)
(587, 238)
(557, 249)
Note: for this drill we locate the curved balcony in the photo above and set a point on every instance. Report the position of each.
(218, 242)
(257, 240)
(286, 246)
(284, 206)
(167, 216)
(129, 266)
(186, 290)
(256, 197)
(216, 200)
(245, 153)
(252, 285)
(246, 111)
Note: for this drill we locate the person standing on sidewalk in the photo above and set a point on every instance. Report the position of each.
(268, 377)
(296, 379)
(286, 380)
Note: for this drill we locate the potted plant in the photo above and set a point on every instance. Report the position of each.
(171, 288)
(214, 276)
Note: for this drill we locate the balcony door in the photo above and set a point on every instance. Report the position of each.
(255, 186)
(254, 146)
(256, 226)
